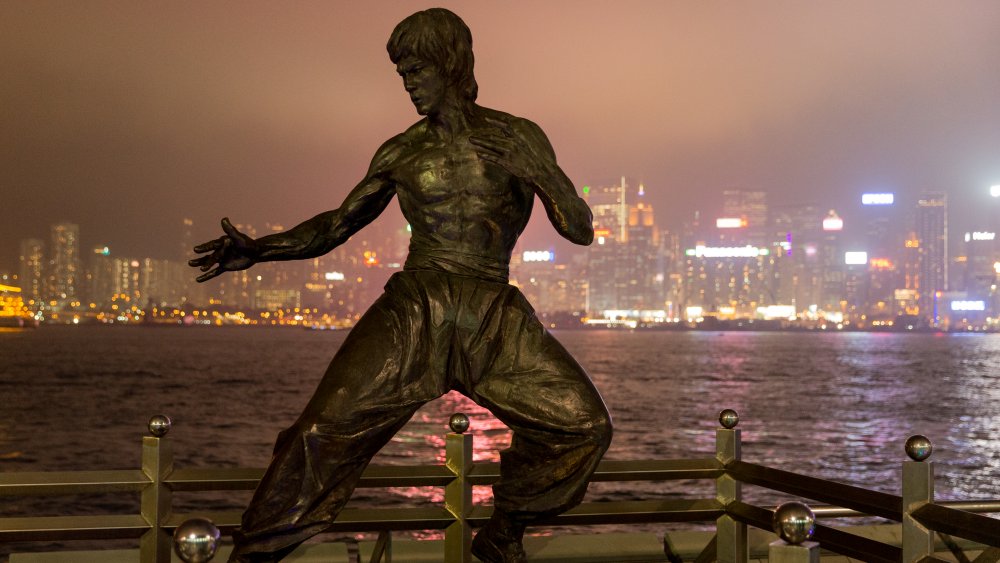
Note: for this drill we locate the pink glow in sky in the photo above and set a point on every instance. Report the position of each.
(125, 117)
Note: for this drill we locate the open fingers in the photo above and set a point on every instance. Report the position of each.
(209, 246)
(207, 276)
(201, 260)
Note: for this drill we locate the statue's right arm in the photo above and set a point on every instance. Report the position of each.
(236, 251)
(326, 231)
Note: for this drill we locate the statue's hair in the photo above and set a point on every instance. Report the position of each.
(441, 38)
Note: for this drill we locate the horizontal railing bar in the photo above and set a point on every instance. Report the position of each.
(658, 470)
(620, 470)
(959, 523)
(39, 483)
(844, 543)
(435, 518)
(240, 478)
(349, 519)
(826, 511)
(484, 474)
(214, 479)
(976, 506)
(406, 476)
(229, 479)
(57, 528)
(640, 511)
(870, 502)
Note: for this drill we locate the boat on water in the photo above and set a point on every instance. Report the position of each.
(13, 312)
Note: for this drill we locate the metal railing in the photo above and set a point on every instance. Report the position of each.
(158, 479)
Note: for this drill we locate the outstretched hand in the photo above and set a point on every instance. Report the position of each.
(511, 151)
(230, 252)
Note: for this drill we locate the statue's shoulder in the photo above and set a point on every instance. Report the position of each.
(516, 122)
(397, 149)
(527, 129)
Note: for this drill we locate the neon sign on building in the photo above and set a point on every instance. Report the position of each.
(832, 222)
(747, 251)
(855, 258)
(968, 305)
(980, 235)
(730, 223)
(877, 199)
(538, 256)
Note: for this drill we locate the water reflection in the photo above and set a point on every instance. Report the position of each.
(837, 406)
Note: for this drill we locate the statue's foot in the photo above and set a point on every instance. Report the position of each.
(499, 541)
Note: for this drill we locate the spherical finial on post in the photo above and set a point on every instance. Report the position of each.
(729, 419)
(794, 522)
(458, 423)
(196, 540)
(918, 447)
(159, 425)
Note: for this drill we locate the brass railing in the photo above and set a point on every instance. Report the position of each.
(157, 479)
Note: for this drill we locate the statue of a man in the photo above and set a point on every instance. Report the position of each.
(466, 177)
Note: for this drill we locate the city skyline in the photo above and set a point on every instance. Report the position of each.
(126, 119)
(779, 264)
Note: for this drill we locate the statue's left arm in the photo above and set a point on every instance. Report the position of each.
(523, 150)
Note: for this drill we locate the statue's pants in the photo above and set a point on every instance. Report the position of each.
(429, 333)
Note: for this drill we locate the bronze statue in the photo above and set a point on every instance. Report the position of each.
(466, 177)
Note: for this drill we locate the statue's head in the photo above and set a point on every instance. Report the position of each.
(438, 37)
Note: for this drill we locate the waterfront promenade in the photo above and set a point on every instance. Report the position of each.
(922, 520)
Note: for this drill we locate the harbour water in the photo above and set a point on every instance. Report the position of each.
(832, 405)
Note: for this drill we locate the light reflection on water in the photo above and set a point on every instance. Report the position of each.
(837, 406)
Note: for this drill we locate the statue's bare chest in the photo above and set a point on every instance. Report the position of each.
(442, 172)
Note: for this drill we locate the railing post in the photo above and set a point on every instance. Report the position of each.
(918, 490)
(732, 545)
(157, 464)
(458, 493)
(794, 522)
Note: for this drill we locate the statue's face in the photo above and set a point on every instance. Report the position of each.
(423, 83)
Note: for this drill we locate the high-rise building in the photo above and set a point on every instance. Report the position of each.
(932, 232)
(610, 210)
(798, 277)
(609, 206)
(642, 268)
(101, 276)
(32, 272)
(189, 290)
(626, 270)
(64, 263)
(832, 265)
(751, 207)
(980, 256)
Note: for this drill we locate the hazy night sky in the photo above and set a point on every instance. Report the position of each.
(125, 117)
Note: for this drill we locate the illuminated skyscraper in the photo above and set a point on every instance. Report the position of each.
(32, 272)
(626, 271)
(64, 263)
(642, 268)
(751, 206)
(610, 209)
(833, 268)
(101, 276)
(799, 274)
(932, 232)
(980, 256)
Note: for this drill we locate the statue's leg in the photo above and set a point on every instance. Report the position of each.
(560, 424)
(372, 387)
